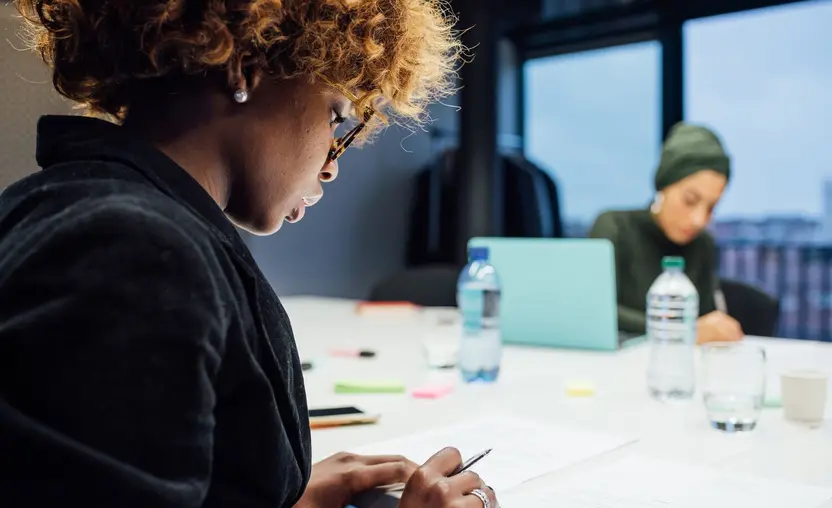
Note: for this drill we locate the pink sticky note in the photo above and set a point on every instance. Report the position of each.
(345, 352)
(432, 391)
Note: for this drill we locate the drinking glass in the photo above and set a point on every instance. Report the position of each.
(733, 384)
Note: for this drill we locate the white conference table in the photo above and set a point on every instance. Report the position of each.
(532, 385)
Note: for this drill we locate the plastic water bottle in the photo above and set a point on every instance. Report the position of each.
(672, 311)
(478, 298)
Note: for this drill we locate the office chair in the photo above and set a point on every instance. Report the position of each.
(755, 310)
(428, 286)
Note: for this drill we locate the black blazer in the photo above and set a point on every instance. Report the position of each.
(144, 359)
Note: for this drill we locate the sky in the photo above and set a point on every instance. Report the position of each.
(762, 79)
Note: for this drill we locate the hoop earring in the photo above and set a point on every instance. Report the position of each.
(656, 205)
(241, 96)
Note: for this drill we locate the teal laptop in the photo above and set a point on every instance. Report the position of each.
(557, 292)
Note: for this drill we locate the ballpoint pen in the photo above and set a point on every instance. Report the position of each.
(465, 466)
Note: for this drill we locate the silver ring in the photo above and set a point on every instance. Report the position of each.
(483, 497)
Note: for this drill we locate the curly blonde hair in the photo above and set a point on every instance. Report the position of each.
(397, 55)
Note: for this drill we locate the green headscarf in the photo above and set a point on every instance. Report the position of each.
(687, 150)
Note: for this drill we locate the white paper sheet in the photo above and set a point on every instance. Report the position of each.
(521, 450)
(640, 482)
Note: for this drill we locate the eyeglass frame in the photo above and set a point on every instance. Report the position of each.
(340, 145)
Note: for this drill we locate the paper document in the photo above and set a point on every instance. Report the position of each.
(640, 482)
(521, 450)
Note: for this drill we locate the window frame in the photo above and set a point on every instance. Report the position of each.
(620, 25)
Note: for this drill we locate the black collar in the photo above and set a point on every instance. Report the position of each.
(71, 138)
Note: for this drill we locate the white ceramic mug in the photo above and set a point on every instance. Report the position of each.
(804, 395)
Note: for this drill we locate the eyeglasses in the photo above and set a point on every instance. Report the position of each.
(340, 145)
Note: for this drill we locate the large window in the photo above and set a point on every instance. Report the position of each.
(763, 80)
(592, 120)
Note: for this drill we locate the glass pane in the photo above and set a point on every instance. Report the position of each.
(762, 79)
(592, 120)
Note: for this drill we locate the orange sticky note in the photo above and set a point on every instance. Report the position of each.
(385, 308)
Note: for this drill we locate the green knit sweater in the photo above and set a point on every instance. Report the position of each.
(640, 246)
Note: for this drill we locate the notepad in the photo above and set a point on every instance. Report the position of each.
(522, 450)
(642, 482)
(370, 386)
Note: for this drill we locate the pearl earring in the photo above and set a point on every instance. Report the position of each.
(241, 96)
(656, 205)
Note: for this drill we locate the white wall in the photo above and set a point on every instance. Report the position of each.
(357, 234)
(27, 94)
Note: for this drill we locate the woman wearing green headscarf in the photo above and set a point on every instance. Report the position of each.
(691, 178)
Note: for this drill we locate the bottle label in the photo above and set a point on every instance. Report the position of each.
(491, 308)
(479, 308)
(672, 317)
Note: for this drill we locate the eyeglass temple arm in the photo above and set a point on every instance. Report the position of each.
(344, 142)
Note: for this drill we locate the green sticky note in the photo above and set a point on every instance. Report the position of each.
(771, 401)
(369, 387)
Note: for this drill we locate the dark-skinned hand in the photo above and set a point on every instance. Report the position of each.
(432, 487)
(337, 479)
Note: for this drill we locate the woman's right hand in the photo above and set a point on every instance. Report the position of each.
(717, 326)
(432, 487)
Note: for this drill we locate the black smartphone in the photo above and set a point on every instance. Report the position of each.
(337, 416)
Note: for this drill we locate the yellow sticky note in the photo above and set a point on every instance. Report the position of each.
(580, 389)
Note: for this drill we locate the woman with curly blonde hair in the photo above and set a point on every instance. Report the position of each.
(144, 359)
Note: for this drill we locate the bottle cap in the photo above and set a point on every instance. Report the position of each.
(478, 254)
(669, 262)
